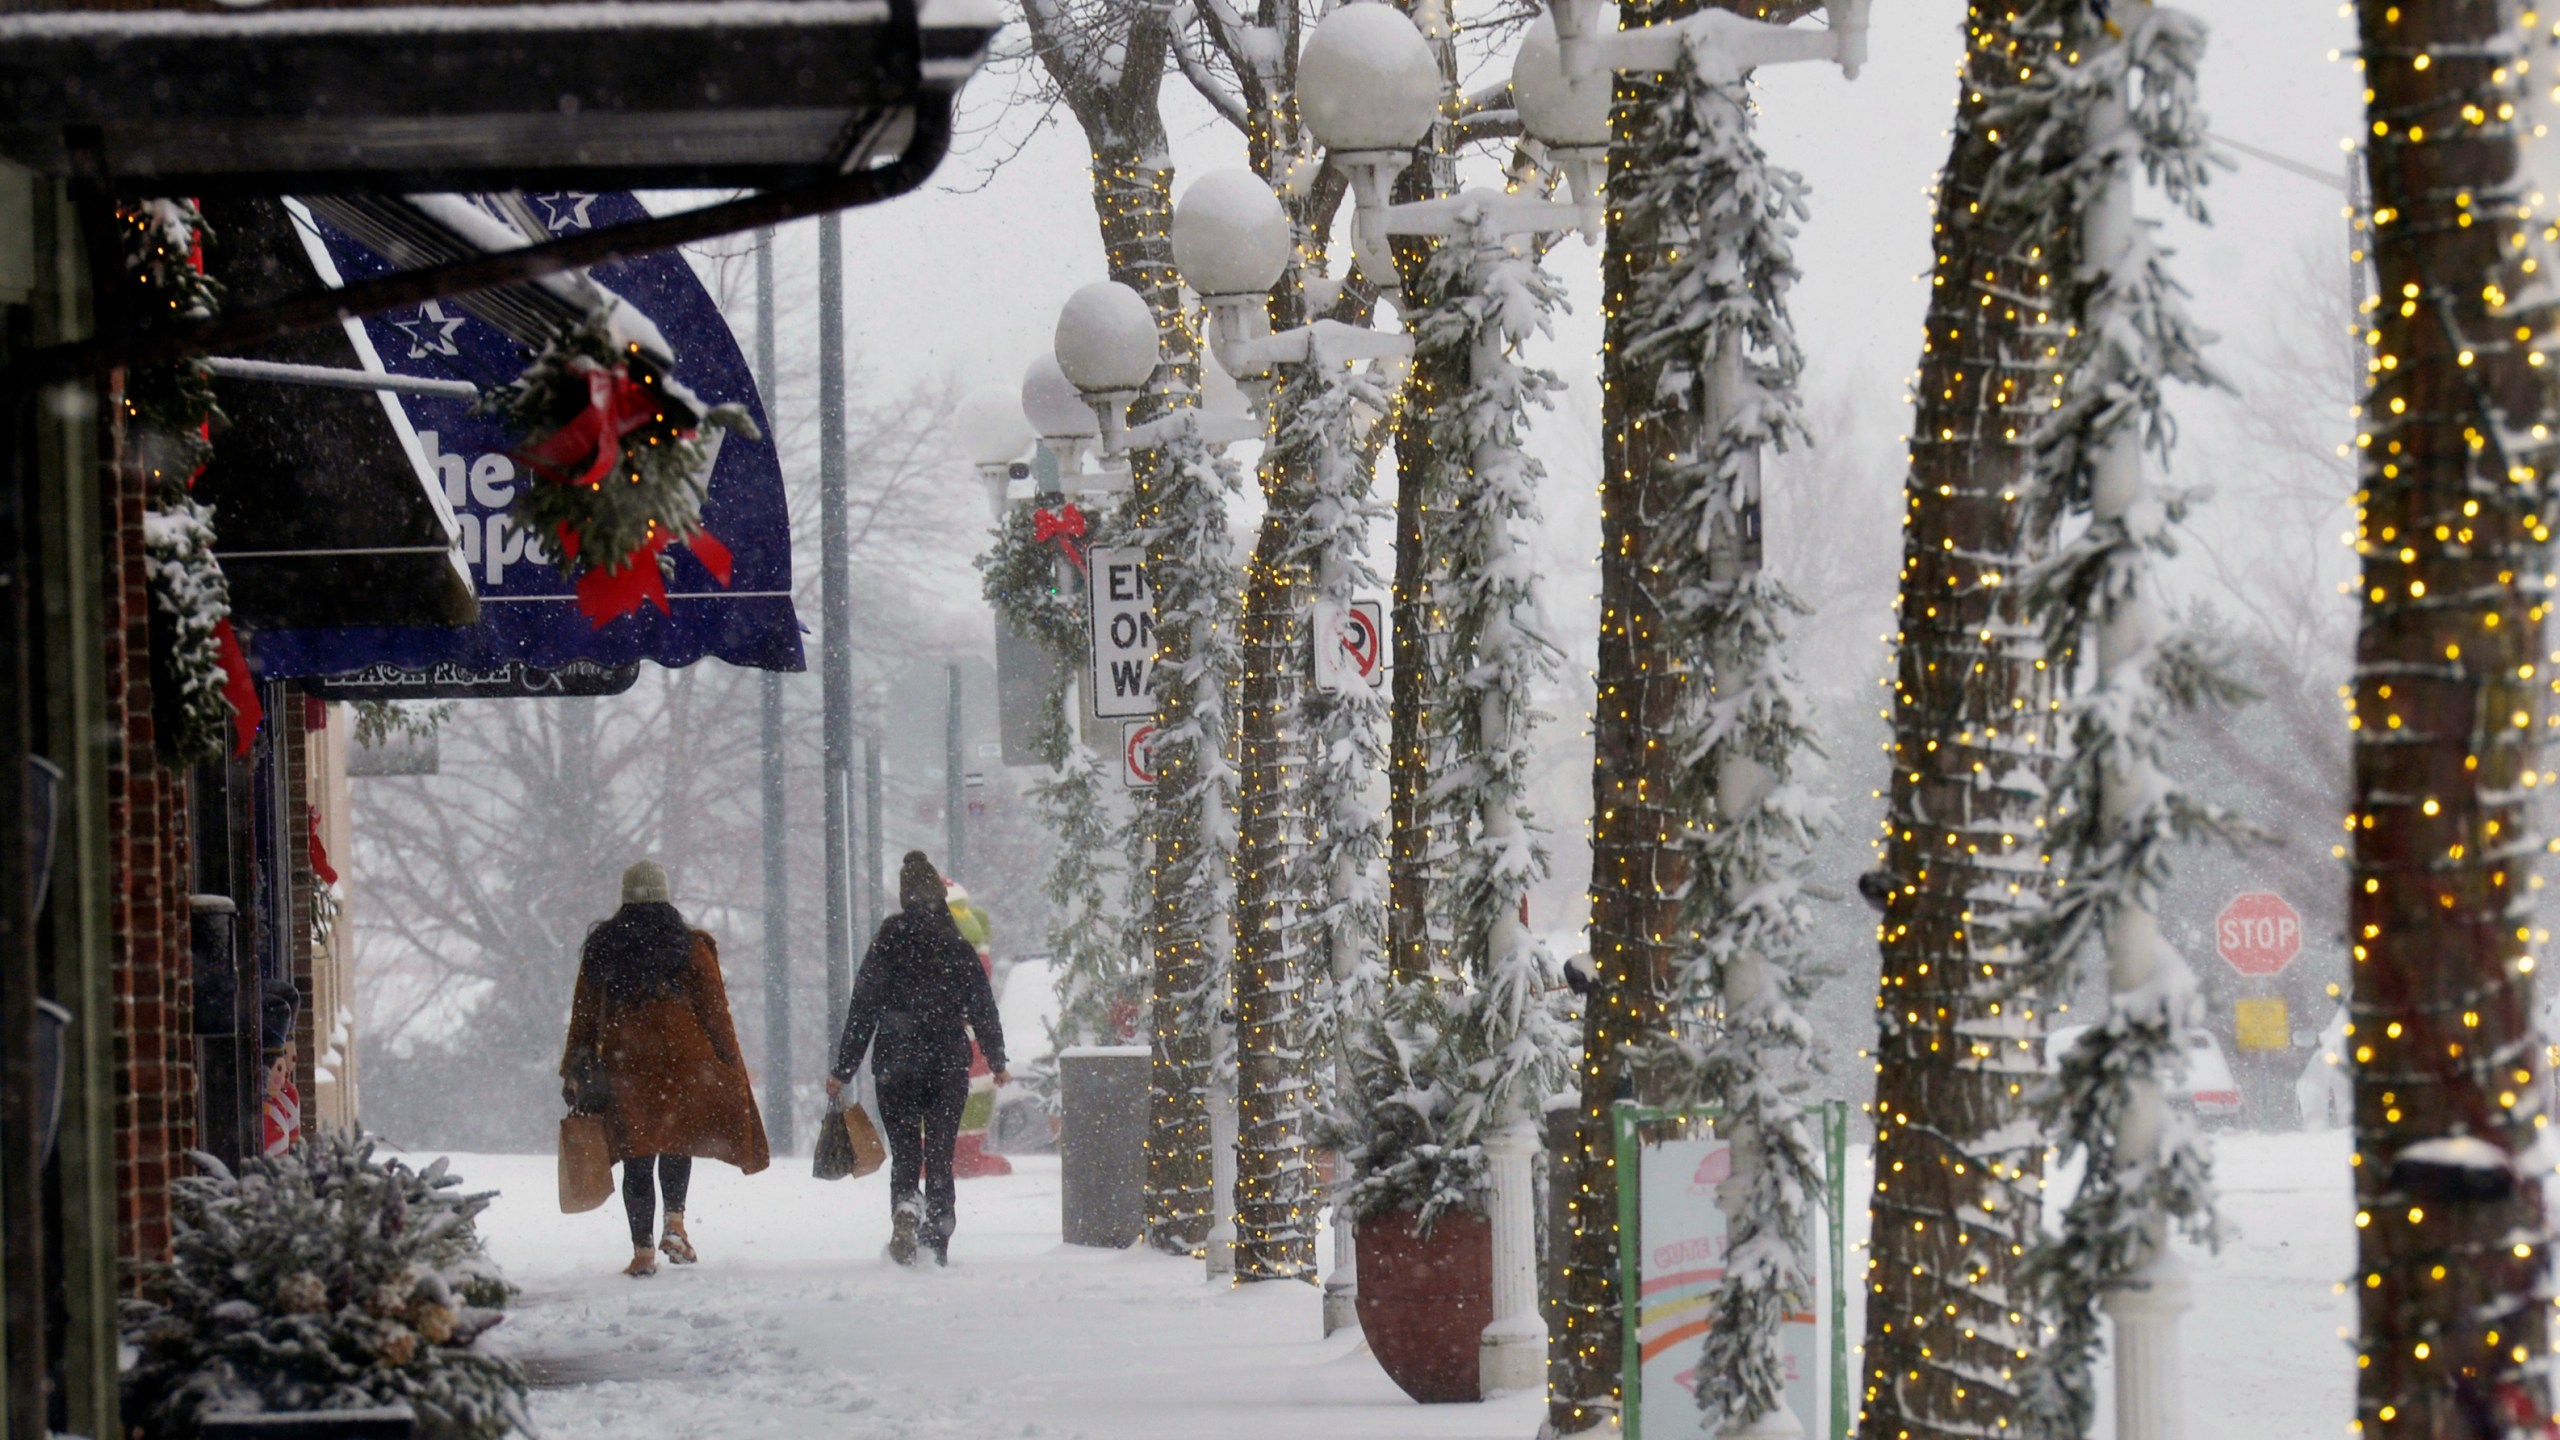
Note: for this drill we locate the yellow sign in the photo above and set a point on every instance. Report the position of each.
(2263, 1023)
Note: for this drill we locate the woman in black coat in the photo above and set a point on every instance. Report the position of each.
(919, 997)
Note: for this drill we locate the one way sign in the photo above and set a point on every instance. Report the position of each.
(1124, 633)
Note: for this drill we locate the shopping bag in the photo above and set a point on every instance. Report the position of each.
(586, 1163)
(848, 1144)
(870, 1152)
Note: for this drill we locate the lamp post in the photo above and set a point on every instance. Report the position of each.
(993, 436)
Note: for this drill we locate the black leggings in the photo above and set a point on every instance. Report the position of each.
(640, 1198)
(922, 1115)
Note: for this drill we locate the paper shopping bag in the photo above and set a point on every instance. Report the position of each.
(586, 1163)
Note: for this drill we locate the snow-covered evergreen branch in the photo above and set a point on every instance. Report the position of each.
(1192, 575)
(168, 411)
(1339, 737)
(1710, 319)
(2083, 122)
(1442, 1063)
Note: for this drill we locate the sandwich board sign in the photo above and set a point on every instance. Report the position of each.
(1124, 632)
(1671, 1250)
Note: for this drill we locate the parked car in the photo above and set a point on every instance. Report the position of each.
(2207, 1090)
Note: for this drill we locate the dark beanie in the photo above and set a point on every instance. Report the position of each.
(919, 884)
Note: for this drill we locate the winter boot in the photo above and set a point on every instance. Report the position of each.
(903, 1226)
(679, 1248)
(644, 1263)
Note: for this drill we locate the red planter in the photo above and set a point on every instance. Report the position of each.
(1424, 1303)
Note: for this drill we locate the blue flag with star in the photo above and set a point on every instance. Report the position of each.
(528, 613)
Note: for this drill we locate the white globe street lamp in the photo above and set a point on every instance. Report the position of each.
(1066, 423)
(1106, 347)
(1560, 104)
(1231, 243)
(1571, 120)
(1368, 89)
(993, 434)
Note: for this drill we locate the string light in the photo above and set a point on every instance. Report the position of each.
(2453, 453)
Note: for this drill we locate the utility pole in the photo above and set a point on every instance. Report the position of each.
(873, 901)
(954, 783)
(777, 870)
(836, 601)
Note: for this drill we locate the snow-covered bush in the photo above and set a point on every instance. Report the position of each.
(323, 1279)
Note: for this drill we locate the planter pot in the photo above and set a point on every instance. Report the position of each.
(1424, 1302)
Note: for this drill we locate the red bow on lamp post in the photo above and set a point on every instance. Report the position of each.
(1064, 525)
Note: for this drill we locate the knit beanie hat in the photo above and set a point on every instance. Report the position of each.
(920, 886)
(645, 884)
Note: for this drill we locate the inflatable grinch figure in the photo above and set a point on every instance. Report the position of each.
(970, 1158)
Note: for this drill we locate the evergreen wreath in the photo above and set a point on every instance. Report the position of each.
(317, 1280)
(168, 413)
(617, 446)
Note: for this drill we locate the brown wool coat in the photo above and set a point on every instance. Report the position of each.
(672, 1066)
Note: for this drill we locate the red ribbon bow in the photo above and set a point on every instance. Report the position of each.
(610, 594)
(1064, 525)
(583, 451)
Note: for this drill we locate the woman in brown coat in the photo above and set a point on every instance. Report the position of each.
(652, 1050)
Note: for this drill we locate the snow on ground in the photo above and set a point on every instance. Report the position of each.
(796, 1325)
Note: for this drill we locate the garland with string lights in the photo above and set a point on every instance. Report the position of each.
(1713, 347)
(1439, 1065)
(1039, 592)
(2455, 464)
(621, 466)
(1950, 1314)
(2118, 97)
(168, 413)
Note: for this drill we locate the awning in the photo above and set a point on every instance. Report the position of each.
(528, 615)
(368, 97)
(323, 513)
(811, 106)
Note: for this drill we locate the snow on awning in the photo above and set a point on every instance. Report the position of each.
(528, 613)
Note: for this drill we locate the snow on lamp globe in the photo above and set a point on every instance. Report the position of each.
(993, 434)
(1057, 410)
(1106, 347)
(1231, 243)
(1369, 89)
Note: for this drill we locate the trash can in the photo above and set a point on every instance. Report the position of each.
(226, 1031)
(1102, 1144)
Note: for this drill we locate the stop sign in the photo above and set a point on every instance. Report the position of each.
(2258, 933)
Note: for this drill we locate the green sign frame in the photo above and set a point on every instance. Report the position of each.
(1630, 1124)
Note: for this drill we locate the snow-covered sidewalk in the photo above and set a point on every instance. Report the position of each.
(794, 1325)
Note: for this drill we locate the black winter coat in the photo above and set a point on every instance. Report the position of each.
(918, 987)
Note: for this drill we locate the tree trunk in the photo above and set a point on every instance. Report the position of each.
(1269, 969)
(1637, 870)
(1133, 197)
(2454, 515)
(1956, 1176)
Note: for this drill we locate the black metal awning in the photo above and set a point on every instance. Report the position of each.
(325, 515)
(639, 94)
(812, 105)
